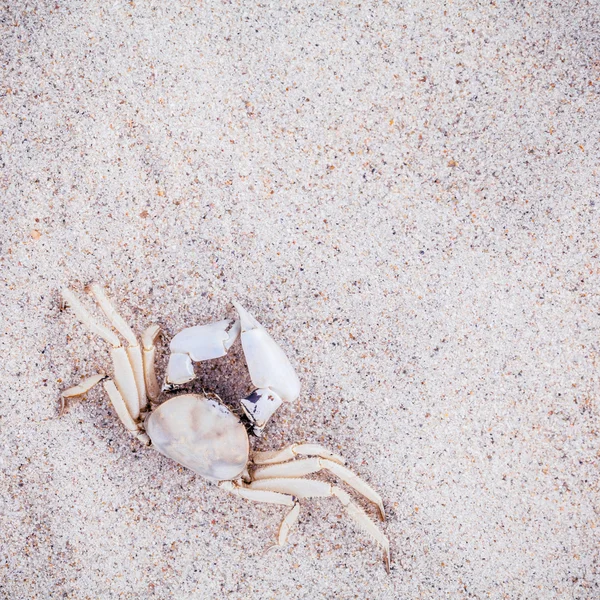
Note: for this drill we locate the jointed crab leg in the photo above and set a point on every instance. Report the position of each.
(115, 397)
(307, 466)
(120, 407)
(278, 456)
(283, 474)
(117, 321)
(123, 370)
(270, 497)
(364, 522)
(84, 316)
(78, 390)
(123, 413)
(311, 488)
(125, 379)
(286, 525)
(264, 495)
(85, 386)
(134, 352)
(149, 337)
(125, 395)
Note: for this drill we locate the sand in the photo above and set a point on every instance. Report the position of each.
(404, 194)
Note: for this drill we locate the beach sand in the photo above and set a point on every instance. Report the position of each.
(404, 194)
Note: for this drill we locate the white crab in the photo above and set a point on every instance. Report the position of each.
(200, 433)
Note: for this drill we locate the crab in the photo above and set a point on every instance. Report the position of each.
(200, 433)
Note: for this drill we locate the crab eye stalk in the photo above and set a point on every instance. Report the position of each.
(259, 407)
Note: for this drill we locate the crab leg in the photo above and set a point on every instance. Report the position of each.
(133, 350)
(289, 453)
(115, 398)
(149, 338)
(78, 390)
(270, 370)
(123, 371)
(202, 342)
(307, 466)
(123, 412)
(86, 319)
(120, 407)
(85, 386)
(361, 518)
(288, 522)
(263, 495)
(310, 488)
(270, 497)
(126, 380)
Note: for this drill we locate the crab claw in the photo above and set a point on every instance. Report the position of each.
(270, 370)
(202, 342)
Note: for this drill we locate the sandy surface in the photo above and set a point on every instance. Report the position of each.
(405, 195)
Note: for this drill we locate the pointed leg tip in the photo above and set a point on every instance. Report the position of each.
(386, 560)
(381, 512)
(269, 548)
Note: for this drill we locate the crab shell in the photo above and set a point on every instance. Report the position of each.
(200, 434)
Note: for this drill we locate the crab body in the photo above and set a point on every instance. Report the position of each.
(202, 434)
